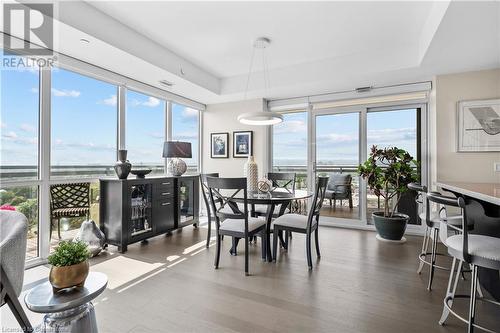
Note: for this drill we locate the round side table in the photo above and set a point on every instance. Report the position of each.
(69, 310)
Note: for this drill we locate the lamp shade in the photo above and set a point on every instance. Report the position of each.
(177, 149)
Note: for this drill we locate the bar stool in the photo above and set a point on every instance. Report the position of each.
(433, 223)
(475, 250)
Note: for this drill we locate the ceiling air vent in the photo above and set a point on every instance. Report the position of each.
(363, 89)
(166, 83)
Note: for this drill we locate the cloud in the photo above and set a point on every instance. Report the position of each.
(27, 128)
(392, 135)
(157, 135)
(186, 136)
(152, 102)
(3, 125)
(65, 93)
(60, 144)
(190, 112)
(290, 126)
(111, 101)
(34, 90)
(10, 135)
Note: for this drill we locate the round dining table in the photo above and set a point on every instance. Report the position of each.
(272, 199)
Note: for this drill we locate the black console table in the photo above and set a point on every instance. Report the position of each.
(133, 210)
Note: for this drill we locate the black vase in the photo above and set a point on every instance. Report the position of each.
(122, 166)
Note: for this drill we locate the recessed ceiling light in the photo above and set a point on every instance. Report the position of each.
(84, 40)
(166, 83)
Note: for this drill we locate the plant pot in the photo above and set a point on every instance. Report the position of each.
(390, 228)
(68, 276)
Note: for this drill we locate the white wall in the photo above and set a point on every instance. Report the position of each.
(223, 118)
(449, 90)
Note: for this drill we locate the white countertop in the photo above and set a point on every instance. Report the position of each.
(489, 192)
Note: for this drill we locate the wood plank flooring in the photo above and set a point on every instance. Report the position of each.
(358, 285)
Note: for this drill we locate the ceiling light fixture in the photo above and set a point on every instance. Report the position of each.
(260, 117)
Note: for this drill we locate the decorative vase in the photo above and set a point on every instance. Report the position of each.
(68, 276)
(122, 166)
(90, 233)
(251, 171)
(176, 167)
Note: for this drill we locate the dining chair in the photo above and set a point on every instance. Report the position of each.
(236, 223)
(475, 250)
(432, 222)
(303, 224)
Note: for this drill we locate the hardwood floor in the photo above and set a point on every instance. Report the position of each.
(359, 285)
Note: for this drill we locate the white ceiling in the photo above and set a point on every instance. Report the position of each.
(317, 47)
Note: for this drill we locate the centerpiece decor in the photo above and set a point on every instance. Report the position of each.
(388, 172)
(70, 265)
(251, 171)
(90, 233)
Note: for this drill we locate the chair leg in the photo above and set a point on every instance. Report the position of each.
(350, 201)
(452, 287)
(433, 258)
(234, 248)
(51, 227)
(59, 228)
(334, 204)
(263, 244)
(246, 254)
(330, 203)
(275, 242)
(316, 241)
(14, 304)
(308, 250)
(209, 232)
(217, 253)
(425, 246)
(287, 237)
(472, 305)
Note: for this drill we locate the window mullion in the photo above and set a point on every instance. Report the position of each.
(122, 118)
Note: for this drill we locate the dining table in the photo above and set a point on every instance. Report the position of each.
(484, 209)
(279, 197)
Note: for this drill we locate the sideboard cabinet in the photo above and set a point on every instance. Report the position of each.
(133, 210)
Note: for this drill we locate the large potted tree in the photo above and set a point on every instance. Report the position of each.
(388, 172)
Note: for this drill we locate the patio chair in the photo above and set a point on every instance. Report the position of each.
(339, 188)
(68, 200)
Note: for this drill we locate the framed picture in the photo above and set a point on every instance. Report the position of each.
(219, 145)
(478, 125)
(242, 143)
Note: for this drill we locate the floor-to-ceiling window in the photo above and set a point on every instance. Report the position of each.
(19, 122)
(290, 146)
(185, 127)
(145, 131)
(391, 127)
(83, 137)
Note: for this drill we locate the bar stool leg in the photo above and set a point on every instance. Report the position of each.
(472, 305)
(433, 257)
(425, 246)
(452, 287)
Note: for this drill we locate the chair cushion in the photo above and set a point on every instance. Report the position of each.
(296, 221)
(238, 225)
(73, 211)
(483, 249)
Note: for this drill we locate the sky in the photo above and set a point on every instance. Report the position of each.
(84, 121)
(337, 136)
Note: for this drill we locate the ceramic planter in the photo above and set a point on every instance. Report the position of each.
(390, 228)
(68, 276)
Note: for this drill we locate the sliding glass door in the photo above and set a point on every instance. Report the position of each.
(337, 155)
(341, 138)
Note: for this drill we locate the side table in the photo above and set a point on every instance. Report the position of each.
(69, 310)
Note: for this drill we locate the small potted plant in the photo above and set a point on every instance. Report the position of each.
(70, 265)
(388, 172)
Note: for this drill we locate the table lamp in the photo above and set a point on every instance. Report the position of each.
(175, 150)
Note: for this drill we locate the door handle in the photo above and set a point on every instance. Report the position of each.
(165, 203)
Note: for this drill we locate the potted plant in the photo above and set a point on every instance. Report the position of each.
(70, 265)
(388, 172)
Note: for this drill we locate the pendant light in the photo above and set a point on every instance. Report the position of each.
(260, 117)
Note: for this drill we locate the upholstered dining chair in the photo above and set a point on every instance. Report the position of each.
(13, 239)
(68, 200)
(475, 250)
(237, 224)
(433, 222)
(303, 224)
